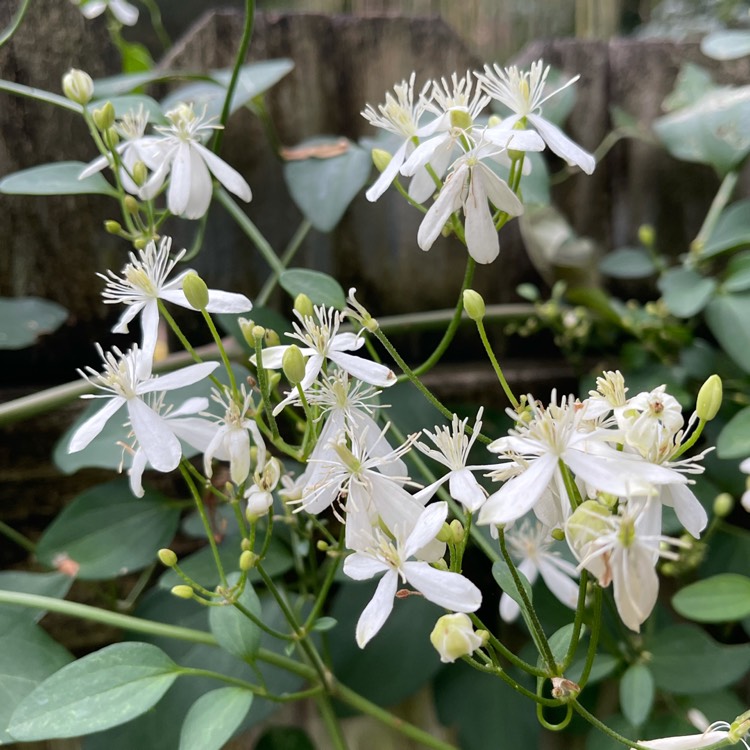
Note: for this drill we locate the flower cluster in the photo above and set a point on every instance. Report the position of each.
(446, 150)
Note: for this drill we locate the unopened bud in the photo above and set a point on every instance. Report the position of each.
(113, 227)
(248, 560)
(293, 364)
(723, 504)
(440, 564)
(322, 545)
(196, 291)
(274, 378)
(304, 306)
(139, 243)
(245, 545)
(453, 637)
(104, 116)
(445, 534)
(111, 138)
(380, 158)
(78, 86)
(183, 591)
(271, 338)
(167, 557)
(457, 531)
(709, 399)
(646, 235)
(130, 204)
(246, 326)
(474, 304)
(140, 173)
(558, 535)
(258, 333)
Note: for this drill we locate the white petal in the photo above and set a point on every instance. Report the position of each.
(227, 302)
(135, 473)
(509, 610)
(446, 203)
(636, 585)
(498, 192)
(238, 444)
(229, 177)
(94, 425)
(465, 489)
(161, 446)
(388, 174)
(558, 583)
(442, 587)
(690, 511)
(376, 612)
(124, 12)
(178, 193)
(93, 167)
(364, 369)
(150, 327)
(362, 567)
(558, 142)
(178, 379)
(518, 140)
(428, 526)
(272, 357)
(686, 742)
(201, 186)
(346, 342)
(481, 236)
(195, 431)
(130, 312)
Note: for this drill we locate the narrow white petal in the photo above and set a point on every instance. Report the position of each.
(161, 446)
(687, 741)
(124, 12)
(135, 473)
(346, 342)
(273, 356)
(388, 174)
(201, 186)
(565, 148)
(94, 425)
(95, 166)
(558, 583)
(128, 315)
(362, 567)
(446, 203)
(364, 369)
(690, 512)
(238, 443)
(636, 585)
(178, 193)
(376, 612)
(229, 177)
(195, 431)
(498, 192)
(465, 489)
(227, 302)
(509, 610)
(179, 379)
(428, 526)
(518, 140)
(446, 589)
(481, 236)
(150, 327)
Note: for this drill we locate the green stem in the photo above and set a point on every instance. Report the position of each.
(286, 257)
(333, 566)
(17, 537)
(249, 228)
(723, 194)
(264, 388)
(596, 627)
(157, 25)
(331, 722)
(15, 23)
(495, 364)
(578, 621)
(257, 621)
(222, 354)
(602, 727)
(247, 33)
(570, 486)
(504, 651)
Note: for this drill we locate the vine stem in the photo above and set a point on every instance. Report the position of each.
(495, 364)
(17, 537)
(723, 194)
(15, 23)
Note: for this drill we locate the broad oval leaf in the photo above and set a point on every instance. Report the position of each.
(685, 660)
(637, 693)
(693, 82)
(628, 263)
(124, 83)
(685, 292)
(737, 274)
(732, 230)
(721, 598)
(504, 578)
(60, 178)
(55, 585)
(321, 288)
(323, 188)
(101, 690)
(734, 439)
(24, 319)
(726, 44)
(728, 316)
(106, 532)
(235, 632)
(214, 717)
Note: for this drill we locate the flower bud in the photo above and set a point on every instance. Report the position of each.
(271, 338)
(139, 243)
(709, 399)
(453, 637)
(246, 326)
(258, 333)
(196, 291)
(113, 227)
(322, 545)
(304, 306)
(457, 531)
(646, 235)
(445, 534)
(494, 120)
(111, 138)
(183, 591)
(167, 557)
(130, 204)
(293, 364)
(440, 564)
(248, 560)
(274, 378)
(380, 158)
(558, 535)
(565, 690)
(140, 173)
(104, 116)
(78, 86)
(246, 545)
(473, 304)
(723, 504)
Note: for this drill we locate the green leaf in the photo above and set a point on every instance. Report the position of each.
(324, 624)
(135, 57)
(737, 274)
(721, 598)
(710, 131)
(628, 263)
(685, 292)
(284, 738)
(132, 103)
(24, 319)
(28, 656)
(101, 690)
(726, 44)
(235, 632)
(107, 532)
(637, 693)
(728, 318)
(687, 660)
(693, 82)
(214, 717)
(125, 83)
(559, 642)
(734, 439)
(42, 584)
(504, 578)
(321, 288)
(323, 188)
(48, 97)
(732, 230)
(60, 178)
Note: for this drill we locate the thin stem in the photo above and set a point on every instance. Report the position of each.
(602, 727)
(247, 33)
(257, 621)
(723, 194)
(596, 627)
(578, 620)
(495, 364)
(17, 537)
(264, 388)
(222, 353)
(333, 565)
(570, 486)
(157, 25)
(331, 722)
(15, 23)
(504, 651)
(286, 257)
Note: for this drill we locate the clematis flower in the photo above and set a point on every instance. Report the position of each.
(191, 164)
(523, 94)
(730, 734)
(126, 379)
(454, 636)
(143, 282)
(122, 10)
(390, 555)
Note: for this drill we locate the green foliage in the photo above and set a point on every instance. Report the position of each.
(214, 717)
(734, 440)
(685, 292)
(284, 738)
(321, 288)
(55, 179)
(628, 263)
(55, 585)
(721, 598)
(235, 632)
(637, 693)
(23, 320)
(732, 230)
(727, 316)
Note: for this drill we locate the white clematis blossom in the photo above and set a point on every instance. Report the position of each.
(523, 94)
(381, 553)
(126, 379)
(730, 734)
(143, 282)
(191, 164)
(122, 10)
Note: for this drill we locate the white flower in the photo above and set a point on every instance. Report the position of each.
(391, 555)
(321, 340)
(530, 546)
(471, 185)
(191, 165)
(453, 447)
(454, 636)
(523, 94)
(745, 468)
(399, 115)
(259, 497)
(143, 282)
(649, 418)
(558, 433)
(126, 379)
(730, 734)
(122, 10)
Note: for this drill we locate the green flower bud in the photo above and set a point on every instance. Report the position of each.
(440, 564)
(457, 531)
(322, 545)
(274, 378)
(104, 116)
(167, 557)
(111, 138)
(271, 338)
(140, 173)
(461, 119)
(139, 243)
(130, 204)
(380, 158)
(246, 326)
(248, 560)
(494, 120)
(646, 235)
(258, 332)
(183, 591)
(709, 399)
(723, 504)
(78, 86)
(195, 290)
(304, 306)
(293, 364)
(445, 534)
(453, 637)
(558, 535)
(113, 227)
(474, 304)
(246, 545)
